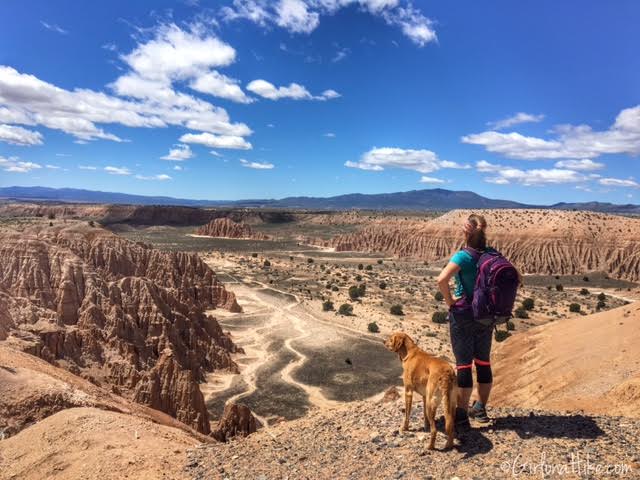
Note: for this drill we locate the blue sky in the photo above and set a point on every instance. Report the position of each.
(531, 101)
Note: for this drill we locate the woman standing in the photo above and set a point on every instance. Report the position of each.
(470, 340)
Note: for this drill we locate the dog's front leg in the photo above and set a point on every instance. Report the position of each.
(408, 399)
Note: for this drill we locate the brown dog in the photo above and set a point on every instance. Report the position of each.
(431, 377)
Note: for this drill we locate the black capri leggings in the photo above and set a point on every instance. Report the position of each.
(471, 344)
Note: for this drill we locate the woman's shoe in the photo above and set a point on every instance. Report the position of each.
(478, 412)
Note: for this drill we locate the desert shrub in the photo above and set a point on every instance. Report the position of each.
(528, 303)
(521, 313)
(91, 223)
(362, 289)
(600, 305)
(373, 327)
(309, 260)
(440, 317)
(354, 292)
(254, 255)
(549, 287)
(266, 264)
(502, 335)
(380, 262)
(327, 306)
(345, 309)
(559, 287)
(358, 278)
(574, 307)
(51, 216)
(438, 296)
(602, 297)
(51, 224)
(585, 279)
(335, 288)
(382, 285)
(328, 286)
(584, 291)
(368, 267)
(360, 266)
(511, 326)
(396, 310)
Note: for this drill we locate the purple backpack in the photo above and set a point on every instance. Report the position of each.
(496, 286)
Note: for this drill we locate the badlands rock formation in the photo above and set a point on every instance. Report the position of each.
(589, 363)
(225, 227)
(537, 241)
(119, 314)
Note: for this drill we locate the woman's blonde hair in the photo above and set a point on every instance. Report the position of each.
(474, 230)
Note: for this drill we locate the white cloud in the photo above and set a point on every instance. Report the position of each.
(87, 167)
(295, 16)
(340, 55)
(144, 94)
(516, 119)
(117, 170)
(15, 165)
(505, 175)
(221, 86)
(180, 153)
(330, 135)
(160, 177)
(52, 167)
(19, 136)
(256, 165)
(53, 27)
(423, 161)
(215, 154)
(294, 91)
(178, 168)
(570, 142)
(432, 180)
(582, 165)
(618, 182)
(216, 141)
(303, 16)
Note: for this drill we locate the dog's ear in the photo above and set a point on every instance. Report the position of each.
(397, 341)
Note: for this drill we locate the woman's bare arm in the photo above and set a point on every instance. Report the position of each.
(443, 282)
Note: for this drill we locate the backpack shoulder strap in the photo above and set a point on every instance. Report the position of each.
(473, 252)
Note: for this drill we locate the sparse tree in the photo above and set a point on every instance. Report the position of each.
(438, 296)
(345, 309)
(574, 307)
(373, 327)
(440, 317)
(266, 264)
(360, 266)
(528, 303)
(502, 335)
(602, 297)
(327, 306)
(584, 291)
(396, 310)
(368, 267)
(559, 287)
(521, 313)
(382, 285)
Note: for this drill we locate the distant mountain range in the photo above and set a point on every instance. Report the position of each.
(428, 199)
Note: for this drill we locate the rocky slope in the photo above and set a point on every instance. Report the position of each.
(537, 241)
(362, 441)
(588, 363)
(225, 227)
(120, 314)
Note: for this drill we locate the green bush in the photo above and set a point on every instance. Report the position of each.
(380, 262)
(362, 290)
(382, 285)
(586, 279)
(396, 310)
(91, 223)
(440, 317)
(335, 288)
(373, 327)
(600, 305)
(602, 297)
(521, 313)
(360, 266)
(559, 287)
(327, 306)
(368, 267)
(502, 335)
(358, 278)
(266, 264)
(574, 307)
(438, 296)
(511, 326)
(354, 292)
(584, 291)
(345, 309)
(309, 260)
(528, 304)
(254, 255)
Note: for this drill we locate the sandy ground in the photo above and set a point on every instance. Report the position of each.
(589, 363)
(88, 443)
